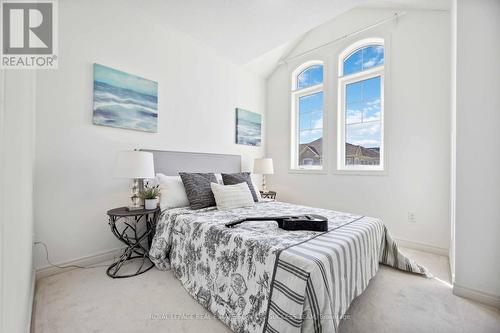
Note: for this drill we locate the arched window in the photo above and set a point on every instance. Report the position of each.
(310, 76)
(361, 103)
(307, 116)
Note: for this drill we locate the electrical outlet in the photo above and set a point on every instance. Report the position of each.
(412, 217)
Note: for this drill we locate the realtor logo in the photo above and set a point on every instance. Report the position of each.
(29, 34)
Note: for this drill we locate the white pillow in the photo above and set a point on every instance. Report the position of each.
(232, 196)
(218, 176)
(172, 192)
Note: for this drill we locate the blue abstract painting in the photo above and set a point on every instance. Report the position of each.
(124, 100)
(248, 127)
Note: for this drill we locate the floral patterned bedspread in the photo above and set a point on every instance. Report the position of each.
(229, 270)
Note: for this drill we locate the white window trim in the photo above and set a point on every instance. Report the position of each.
(366, 170)
(343, 82)
(296, 94)
(329, 57)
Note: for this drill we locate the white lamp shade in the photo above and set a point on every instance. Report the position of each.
(134, 164)
(263, 166)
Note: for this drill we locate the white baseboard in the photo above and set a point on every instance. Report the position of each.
(422, 247)
(83, 261)
(476, 295)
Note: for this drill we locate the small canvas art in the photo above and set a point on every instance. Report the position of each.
(248, 127)
(124, 100)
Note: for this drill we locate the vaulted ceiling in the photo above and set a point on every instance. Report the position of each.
(243, 30)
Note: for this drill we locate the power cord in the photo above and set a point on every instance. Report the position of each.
(66, 266)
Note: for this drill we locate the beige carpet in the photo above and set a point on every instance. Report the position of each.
(86, 300)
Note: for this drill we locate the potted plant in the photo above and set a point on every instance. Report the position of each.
(150, 196)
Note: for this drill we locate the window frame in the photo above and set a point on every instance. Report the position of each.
(295, 95)
(342, 81)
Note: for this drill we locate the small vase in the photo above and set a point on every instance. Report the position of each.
(151, 203)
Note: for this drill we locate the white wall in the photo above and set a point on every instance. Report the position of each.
(198, 93)
(477, 229)
(418, 179)
(17, 119)
(453, 135)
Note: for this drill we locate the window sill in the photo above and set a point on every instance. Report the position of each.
(308, 171)
(361, 172)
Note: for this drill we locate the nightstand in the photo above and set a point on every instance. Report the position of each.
(135, 228)
(268, 195)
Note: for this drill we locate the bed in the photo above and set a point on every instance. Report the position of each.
(257, 277)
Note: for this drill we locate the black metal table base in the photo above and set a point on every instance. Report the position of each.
(112, 270)
(135, 240)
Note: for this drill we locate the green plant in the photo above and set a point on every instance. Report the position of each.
(150, 192)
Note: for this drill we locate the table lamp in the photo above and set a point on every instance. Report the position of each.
(263, 166)
(136, 165)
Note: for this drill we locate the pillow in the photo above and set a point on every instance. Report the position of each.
(242, 177)
(232, 196)
(172, 192)
(197, 186)
(218, 176)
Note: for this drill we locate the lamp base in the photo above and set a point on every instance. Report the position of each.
(134, 199)
(264, 186)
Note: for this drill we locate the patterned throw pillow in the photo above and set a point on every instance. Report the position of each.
(197, 186)
(242, 177)
(232, 196)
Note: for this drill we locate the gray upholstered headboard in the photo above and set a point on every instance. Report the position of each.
(170, 163)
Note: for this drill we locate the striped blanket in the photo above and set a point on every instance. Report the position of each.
(315, 281)
(259, 278)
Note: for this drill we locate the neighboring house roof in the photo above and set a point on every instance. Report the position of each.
(353, 150)
(316, 147)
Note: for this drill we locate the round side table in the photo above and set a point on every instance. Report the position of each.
(135, 228)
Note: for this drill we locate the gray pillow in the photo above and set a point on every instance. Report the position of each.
(198, 190)
(242, 177)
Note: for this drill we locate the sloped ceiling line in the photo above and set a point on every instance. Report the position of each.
(393, 17)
